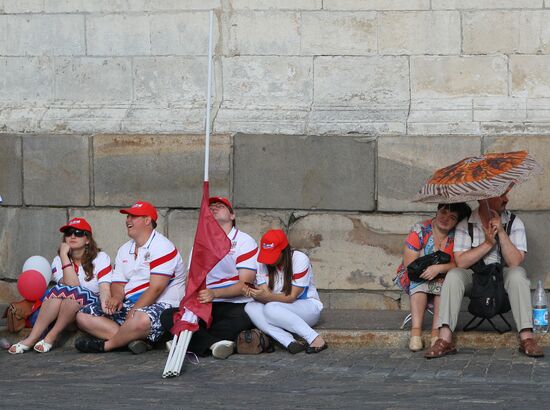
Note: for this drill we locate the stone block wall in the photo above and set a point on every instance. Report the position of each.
(328, 115)
(303, 67)
(343, 200)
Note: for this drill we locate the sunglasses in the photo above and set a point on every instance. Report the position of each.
(76, 232)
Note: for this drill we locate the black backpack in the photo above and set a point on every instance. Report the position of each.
(488, 297)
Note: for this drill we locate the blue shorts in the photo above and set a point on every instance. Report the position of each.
(153, 311)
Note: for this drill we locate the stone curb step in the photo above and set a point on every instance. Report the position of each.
(394, 339)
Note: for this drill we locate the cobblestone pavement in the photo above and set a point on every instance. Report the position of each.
(335, 378)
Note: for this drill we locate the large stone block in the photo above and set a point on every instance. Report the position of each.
(443, 128)
(109, 6)
(8, 292)
(176, 80)
(453, 76)
(530, 76)
(166, 170)
(182, 226)
(93, 80)
(362, 81)
(361, 300)
(537, 225)
(118, 35)
(109, 227)
(486, 4)
(162, 119)
(56, 170)
(21, 119)
(376, 4)
(292, 172)
(339, 33)
(26, 80)
(263, 33)
(35, 34)
(404, 164)
(538, 109)
(420, 32)
(25, 232)
(337, 121)
(500, 109)
(276, 4)
(268, 81)
(535, 193)
(353, 251)
(70, 119)
(261, 121)
(488, 32)
(11, 170)
(181, 33)
(23, 6)
(257, 222)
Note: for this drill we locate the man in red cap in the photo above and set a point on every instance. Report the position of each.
(224, 284)
(147, 279)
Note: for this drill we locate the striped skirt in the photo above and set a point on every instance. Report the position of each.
(78, 293)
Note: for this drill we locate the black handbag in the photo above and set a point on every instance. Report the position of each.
(418, 266)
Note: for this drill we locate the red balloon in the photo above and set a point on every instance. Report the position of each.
(31, 285)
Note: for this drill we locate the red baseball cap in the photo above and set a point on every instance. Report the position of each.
(141, 208)
(77, 223)
(221, 199)
(271, 245)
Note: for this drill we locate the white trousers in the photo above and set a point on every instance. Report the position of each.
(279, 319)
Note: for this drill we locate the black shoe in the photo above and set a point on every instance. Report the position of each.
(90, 345)
(296, 347)
(310, 349)
(139, 346)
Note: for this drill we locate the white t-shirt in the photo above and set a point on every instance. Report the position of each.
(242, 255)
(302, 277)
(102, 272)
(158, 256)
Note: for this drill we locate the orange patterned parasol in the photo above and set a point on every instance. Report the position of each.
(480, 177)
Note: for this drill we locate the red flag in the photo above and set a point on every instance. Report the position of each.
(210, 246)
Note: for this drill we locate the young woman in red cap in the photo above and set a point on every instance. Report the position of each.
(286, 300)
(83, 275)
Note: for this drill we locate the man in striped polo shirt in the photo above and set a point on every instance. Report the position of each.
(224, 284)
(147, 279)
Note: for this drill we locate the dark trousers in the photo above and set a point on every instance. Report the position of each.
(228, 320)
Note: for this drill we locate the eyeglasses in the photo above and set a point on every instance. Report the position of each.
(76, 232)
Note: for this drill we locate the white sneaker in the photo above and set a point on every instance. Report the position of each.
(223, 349)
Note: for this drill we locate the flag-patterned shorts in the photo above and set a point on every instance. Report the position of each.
(153, 311)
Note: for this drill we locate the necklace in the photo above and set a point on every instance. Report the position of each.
(438, 242)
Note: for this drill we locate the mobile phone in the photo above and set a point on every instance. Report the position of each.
(250, 285)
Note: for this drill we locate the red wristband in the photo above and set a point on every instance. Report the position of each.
(66, 266)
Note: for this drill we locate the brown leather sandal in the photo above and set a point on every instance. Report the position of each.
(529, 347)
(439, 349)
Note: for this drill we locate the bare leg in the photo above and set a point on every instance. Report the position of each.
(97, 326)
(317, 342)
(436, 314)
(419, 301)
(134, 328)
(66, 316)
(48, 313)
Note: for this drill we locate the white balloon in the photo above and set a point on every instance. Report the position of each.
(40, 264)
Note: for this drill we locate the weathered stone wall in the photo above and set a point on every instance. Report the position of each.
(344, 200)
(328, 115)
(381, 67)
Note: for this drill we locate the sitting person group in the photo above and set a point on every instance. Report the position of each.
(132, 305)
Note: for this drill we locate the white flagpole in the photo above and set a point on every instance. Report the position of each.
(178, 349)
(208, 98)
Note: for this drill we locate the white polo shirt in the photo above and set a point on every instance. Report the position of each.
(158, 256)
(302, 277)
(242, 255)
(102, 272)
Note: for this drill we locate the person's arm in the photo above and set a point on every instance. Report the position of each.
(116, 300)
(511, 254)
(245, 275)
(465, 259)
(264, 295)
(70, 277)
(104, 295)
(157, 284)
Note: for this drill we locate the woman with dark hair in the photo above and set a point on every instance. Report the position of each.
(286, 300)
(82, 273)
(425, 238)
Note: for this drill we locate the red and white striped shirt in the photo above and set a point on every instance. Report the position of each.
(102, 272)
(242, 255)
(158, 256)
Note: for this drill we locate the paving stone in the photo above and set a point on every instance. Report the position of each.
(327, 172)
(11, 170)
(56, 170)
(124, 169)
(36, 228)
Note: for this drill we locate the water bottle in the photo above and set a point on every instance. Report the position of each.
(540, 310)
